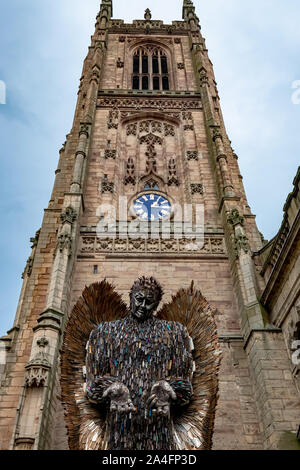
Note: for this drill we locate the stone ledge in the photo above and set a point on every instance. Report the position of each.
(261, 330)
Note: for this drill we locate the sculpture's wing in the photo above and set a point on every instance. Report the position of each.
(194, 425)
(99, 303)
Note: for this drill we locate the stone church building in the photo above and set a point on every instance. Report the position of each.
(148, 124)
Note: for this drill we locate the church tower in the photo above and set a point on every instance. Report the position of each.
(148, 133)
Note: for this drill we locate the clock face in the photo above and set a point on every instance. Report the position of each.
(152, 206)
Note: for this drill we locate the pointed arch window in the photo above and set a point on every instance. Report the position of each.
(150, 69)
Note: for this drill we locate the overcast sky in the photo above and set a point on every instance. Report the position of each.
(254, 46)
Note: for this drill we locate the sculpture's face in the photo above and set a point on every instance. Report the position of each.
(143, 304)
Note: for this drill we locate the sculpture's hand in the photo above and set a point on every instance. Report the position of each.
(120, 400)
(160, 398)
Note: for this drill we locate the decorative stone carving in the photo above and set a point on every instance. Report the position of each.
(64, 242)
(121, 245)
(217, 133)
(130, 172)
(156, 126)
(203, 76)
(192, 155)
(113, 119)
(241, 243)
(108, 153)
(104, 245)
(169, 130)
(177, 40)
(153, 245)
(196, 188)
(151, 140)
(155, 104)
(180, 65)
(38, 368)
(36, 377)
(95, 75)
(131, 129)
(217, 245)
(120, 63)
(84, 129)
(87, 245)
(147, 15)
(122, 38)
(69, 215)
(172, 177)
(28, 268)
(169, 246)
(188, 121)
(138, 245)
(188, 127)
(107, 187)
(29, 264)
(34, 240)
(145, 126)
(151, 184)
(212, 245)
(42, 342)
(234, 218)
(63, 148)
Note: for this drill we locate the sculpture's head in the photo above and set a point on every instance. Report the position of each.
(145, 295)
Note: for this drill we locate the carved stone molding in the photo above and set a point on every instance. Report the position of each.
(36, 376)
(24, 443)
(146, 25)
(150, 102)
(93, 245)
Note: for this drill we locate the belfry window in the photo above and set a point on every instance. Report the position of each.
(150, 69)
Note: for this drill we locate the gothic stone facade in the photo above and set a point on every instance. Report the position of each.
(140, 126)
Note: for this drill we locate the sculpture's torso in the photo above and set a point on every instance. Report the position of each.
(139, 354)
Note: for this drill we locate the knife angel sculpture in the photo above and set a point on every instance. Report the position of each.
(135, 379)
